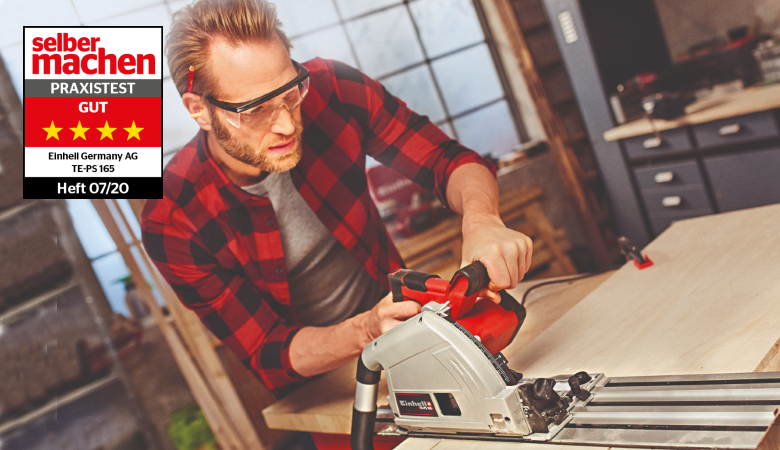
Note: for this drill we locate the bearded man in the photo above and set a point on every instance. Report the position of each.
(266, 228)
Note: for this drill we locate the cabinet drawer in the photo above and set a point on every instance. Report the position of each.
(673, 141)
(736, 130)
(745, 180)
(668, 176)
(682, 199)
(661, 221)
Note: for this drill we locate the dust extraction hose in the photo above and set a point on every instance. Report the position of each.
(364, 410)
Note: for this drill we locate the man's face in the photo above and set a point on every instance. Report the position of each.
(243, 73)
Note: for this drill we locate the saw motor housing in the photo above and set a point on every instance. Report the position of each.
(450, 383)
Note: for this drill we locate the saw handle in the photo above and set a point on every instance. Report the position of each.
(461, 291)
(475, 275)
(421, 287)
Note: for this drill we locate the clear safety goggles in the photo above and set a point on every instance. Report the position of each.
(265, 109)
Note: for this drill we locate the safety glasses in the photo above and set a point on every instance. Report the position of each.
(265, 109)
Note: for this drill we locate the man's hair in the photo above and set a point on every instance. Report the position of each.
(195, 27)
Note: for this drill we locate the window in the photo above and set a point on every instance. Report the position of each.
(432, 54)
(107, 262)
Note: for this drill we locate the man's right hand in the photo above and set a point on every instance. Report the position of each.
(314, 350)
(387, 315)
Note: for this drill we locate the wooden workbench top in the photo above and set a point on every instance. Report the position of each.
(750, 100)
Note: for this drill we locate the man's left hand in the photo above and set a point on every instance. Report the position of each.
(505, 253)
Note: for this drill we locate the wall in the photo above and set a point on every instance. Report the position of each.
(690, 22)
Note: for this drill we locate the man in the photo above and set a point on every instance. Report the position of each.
(266, 228)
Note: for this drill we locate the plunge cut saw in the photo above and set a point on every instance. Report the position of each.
(448, 379)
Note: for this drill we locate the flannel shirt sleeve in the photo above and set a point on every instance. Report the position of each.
(226, 302)
(401, 139)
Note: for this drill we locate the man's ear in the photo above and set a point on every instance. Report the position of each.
(196, 106)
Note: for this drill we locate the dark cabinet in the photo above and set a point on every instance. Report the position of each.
(746, 179)
(736, 130)
(672, 191)
(650, 145)
(704, 168)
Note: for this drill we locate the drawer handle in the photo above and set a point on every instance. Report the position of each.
(728, 130)
(664, 177)
(674, 200)
(653, 142)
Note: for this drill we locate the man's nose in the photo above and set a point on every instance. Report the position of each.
(284, 123)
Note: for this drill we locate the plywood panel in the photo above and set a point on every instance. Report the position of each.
(710, 304)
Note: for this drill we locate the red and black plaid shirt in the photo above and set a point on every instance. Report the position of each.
(220, 248)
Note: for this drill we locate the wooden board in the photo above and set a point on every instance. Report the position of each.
(325, 404)
(710, 304)
(750, 100)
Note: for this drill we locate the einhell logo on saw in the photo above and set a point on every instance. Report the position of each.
(415, 405)
(93, 112)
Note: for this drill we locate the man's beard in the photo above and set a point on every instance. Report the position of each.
(256, 154)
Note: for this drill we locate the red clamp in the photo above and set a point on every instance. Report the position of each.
(630, 252)
(648, 262)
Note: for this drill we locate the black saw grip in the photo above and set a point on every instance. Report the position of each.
(477, 275)
(409, 278)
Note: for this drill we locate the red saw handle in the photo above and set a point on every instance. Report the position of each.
(496, 325)
(423, 288)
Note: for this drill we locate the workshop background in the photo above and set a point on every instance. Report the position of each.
(89, 353)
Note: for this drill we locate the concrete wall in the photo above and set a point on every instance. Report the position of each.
(690, 22)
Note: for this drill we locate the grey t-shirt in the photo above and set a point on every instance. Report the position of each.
(327, 284)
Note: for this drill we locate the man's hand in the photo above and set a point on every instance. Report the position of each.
(472, 192)
(387, 315)
(315, 350)
(505, 253)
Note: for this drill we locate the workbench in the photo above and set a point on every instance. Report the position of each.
(709, 304)
(722, 155)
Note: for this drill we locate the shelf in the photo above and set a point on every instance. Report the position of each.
(36, 301)
(57, 403)
(15, 210)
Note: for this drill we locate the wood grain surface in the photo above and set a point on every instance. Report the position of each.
(750, 100)
(710, 304)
